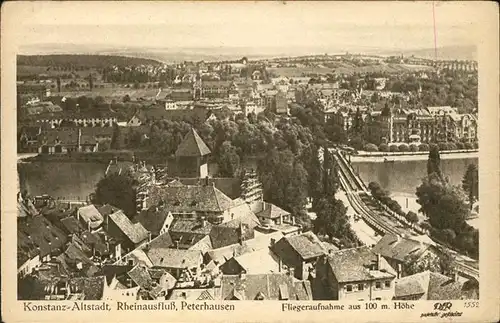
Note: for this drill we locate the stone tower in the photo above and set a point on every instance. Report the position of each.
(192, 156)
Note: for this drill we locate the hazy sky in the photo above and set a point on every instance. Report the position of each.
(246, 24)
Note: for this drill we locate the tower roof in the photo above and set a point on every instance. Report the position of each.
(192, 146)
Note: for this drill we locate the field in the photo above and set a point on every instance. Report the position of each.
(25, 70)
(110, 92)
(348, 69)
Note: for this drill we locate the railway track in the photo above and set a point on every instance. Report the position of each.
(353, 186)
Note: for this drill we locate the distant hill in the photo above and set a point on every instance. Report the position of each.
(444, 53)
(88, 61)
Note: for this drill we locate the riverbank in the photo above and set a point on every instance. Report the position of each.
(93, 157)
(377, 157)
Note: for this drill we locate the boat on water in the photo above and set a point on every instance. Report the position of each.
(388, 160)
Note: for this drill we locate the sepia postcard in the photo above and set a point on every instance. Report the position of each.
(250, 161)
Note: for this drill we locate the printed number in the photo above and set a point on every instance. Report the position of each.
(471, 304)
(371, 306)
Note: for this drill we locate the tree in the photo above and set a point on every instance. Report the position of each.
(441, 263)
(117, 190)
(91, 81)
(403, 148)
(126, 98)
(332, 220)
(228, 160)
(284, 180)
(357, 143)
(434, 163)
(412, 217)
(335, 133)
(58, 84)
(358, 123)
(370, 147)
(383, 147)
(393, 148)
(470, 183)
(83, 103)
(413, 147)
(99, 100)
(116, 137)
(423, 147)
(442, 203)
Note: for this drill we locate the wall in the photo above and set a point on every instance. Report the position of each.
(28, 266)
(289, 257)
(370, 292)
(231, 267)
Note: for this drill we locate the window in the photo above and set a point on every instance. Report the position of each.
(378, 285)
(361, 286)
(348, 288)
(387, 283)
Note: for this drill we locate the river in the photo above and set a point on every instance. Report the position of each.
(405, 176)
(77, 180)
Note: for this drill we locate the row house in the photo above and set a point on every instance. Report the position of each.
(79, 121)
(299, 253)
(213, 89)
(401, 252)
(356, 274)
(66, 140)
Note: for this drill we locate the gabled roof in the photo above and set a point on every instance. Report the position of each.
(271, 211)
(399, 248)
(307, 245)
(237, 249)
(152, 219)
(37, 236)
(133, 231)
(189, 198)
(91, 287)
(174, 258)
(140, 275)
(196, 294)
(351, 265)
(429, 286)
(189, 232)
(91, 215)
(192, 146)
(227, 234)
(64, 136)
(264, 286)
(261, 261)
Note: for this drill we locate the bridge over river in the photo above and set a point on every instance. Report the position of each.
(382, 220)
